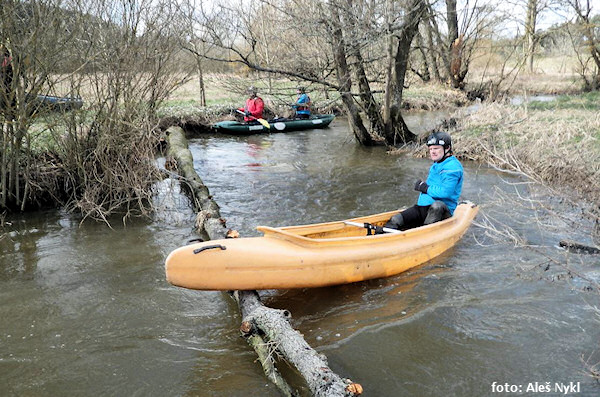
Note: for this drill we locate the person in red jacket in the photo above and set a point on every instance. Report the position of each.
(254, 106)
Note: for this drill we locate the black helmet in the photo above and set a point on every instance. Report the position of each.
(440, 138)
(301, 89)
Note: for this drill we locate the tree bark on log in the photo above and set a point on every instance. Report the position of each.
(579, 248)
(267, 330)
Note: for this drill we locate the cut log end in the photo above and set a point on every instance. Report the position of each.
(232, 234)
(355, 389)
(246, 328)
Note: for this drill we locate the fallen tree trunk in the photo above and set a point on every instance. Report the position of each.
(267, 330)
(209, 217)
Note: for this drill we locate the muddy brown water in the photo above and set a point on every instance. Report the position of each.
(85, 310)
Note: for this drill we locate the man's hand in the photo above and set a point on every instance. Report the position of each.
(247, 113)
(421, 186)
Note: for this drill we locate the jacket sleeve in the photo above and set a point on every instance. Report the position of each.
(447, 187)
(257, 107)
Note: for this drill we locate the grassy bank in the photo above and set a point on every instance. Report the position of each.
(556, 143)
(224, 93)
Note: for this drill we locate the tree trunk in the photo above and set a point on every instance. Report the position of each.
(209, 216)
(275, 329)
(387, 98)
(452, 18)
(3, 165)
(396, 130)
(530, 25)
(267, 330)
(424, 74)
(433, 57)
(454, 44)
(443, 53)
(372, 108)
(201, 81)
(578, 247)
(345, 80)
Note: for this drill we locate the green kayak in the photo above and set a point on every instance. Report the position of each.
(277, 125)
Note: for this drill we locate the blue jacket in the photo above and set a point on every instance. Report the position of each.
(445, 182)
(301, 104)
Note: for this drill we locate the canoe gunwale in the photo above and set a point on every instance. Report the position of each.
(287, 234)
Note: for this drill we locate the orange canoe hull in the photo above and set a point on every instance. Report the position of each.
(313, 255)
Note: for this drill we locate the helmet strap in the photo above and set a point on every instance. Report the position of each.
(447, 153)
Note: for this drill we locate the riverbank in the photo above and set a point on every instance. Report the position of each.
(556, 143)
(183, 107)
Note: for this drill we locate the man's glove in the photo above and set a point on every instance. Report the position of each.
(247, 113)
(421, 186)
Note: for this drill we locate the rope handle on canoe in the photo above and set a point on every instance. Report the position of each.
(208, 247)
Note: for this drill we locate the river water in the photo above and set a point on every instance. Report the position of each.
(85, 310)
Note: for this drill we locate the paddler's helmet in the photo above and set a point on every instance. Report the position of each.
(252, 90)
(440, 138)
(443, 139)
(301, 89)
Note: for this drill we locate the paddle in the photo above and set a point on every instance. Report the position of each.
(262, 121)
(369, 226)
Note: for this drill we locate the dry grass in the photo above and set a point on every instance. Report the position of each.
(559, 147)
(553, 84)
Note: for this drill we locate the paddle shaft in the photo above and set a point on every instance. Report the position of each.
(262, 121)
(385, 229)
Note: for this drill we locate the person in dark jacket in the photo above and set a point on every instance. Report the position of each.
(439, 193)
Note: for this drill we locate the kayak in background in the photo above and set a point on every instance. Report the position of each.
(58, 104)
(277, 125)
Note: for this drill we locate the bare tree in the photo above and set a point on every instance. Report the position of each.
(585, 35)
(454, 34)
(120, 58)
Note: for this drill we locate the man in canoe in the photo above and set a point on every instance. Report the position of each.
(439, 194)
(254, 106)
(302, 104)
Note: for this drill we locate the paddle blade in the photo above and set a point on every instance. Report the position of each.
(264, 122)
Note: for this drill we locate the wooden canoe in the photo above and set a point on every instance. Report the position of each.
(313, 255)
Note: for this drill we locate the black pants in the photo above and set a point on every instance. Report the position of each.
(419, 215)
